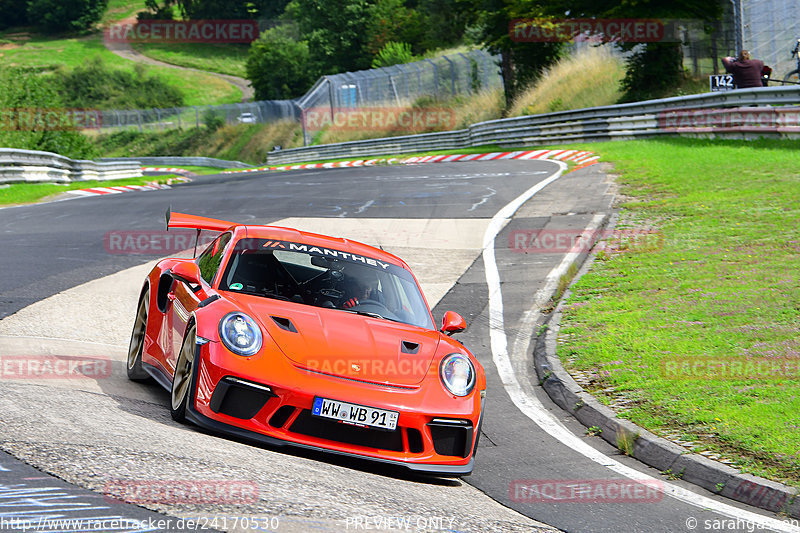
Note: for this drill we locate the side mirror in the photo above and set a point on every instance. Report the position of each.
(453, 323)
(187, 272)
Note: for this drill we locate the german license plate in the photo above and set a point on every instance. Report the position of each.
(351, 413)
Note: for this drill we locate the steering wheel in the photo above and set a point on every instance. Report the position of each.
(376, 307)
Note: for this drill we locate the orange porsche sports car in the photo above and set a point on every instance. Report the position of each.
(287, 337)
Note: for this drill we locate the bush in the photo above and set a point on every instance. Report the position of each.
(155, 11)
(278, 65)
(393, 53)
(641, 82)
(66, 15)
(24, 93)
(95, 85)
(213, 120)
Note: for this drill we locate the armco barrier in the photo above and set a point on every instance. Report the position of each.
(20, 166)
(623, 121)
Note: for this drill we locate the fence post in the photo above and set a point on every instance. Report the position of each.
(435, 76)
(196, 117)
(139, 119)
(405, 79)
(452, 75)
(470, 76)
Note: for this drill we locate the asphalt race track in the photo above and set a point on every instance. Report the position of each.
(66, 290)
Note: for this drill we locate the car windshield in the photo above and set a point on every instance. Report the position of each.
(325, 277)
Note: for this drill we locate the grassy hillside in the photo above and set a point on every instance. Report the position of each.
(34, 50)
(213, 57)
(589, 78)
(249, 143)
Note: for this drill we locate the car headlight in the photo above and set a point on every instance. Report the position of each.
(457, 374)
(240, 334)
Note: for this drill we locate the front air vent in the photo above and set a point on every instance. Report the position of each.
(281, 416)
(284, 324)
(239, 398)
(409, 347)
(451, 437)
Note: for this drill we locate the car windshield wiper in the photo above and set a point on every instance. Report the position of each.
(265, 293)
(373, 315)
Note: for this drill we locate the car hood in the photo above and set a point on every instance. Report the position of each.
(340, 343)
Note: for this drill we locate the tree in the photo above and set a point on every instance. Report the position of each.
(65, 15)
(13, 13)
(391, 20)
(213, 9)
(521, 62)
(442, 21)
(278, 65)
(230, 9)
(652, 68)
(334, 30)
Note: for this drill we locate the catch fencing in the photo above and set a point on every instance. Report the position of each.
(193, 117)
(770, 31)
(440, 77)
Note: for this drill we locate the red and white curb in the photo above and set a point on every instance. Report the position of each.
(98, 191)
(581, 158)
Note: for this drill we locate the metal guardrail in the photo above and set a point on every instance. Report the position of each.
(622, 121)
(20, 166)
(174, 161)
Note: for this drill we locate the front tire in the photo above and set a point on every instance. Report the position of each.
(134, 364)
(182, 391)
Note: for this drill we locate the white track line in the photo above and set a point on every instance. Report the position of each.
(532, 407)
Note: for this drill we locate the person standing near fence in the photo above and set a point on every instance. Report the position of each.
(746, 72)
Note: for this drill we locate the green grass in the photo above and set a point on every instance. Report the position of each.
(121, 10)
(212, 57)
(197, 170)
(242, 142)
(197, 88)
(25, 193)
(722, 284)
(588, 78)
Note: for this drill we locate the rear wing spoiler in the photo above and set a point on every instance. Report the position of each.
(181, 220)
